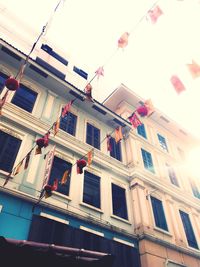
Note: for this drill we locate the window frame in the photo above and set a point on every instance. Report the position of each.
(162, 142)
(84, 194)
(93, 136)
(159, 217)
(147, 165)
(76, 121)
(125, 216)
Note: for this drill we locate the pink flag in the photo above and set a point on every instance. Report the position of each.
(67, 108)
(155, 13)
(134, 120)
(99, 72)
(194, 69)
(123, 40)
(178, 85)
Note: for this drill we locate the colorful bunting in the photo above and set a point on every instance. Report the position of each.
(178, 85)
(18, 168)
(109, 145)
(3, 101)
(194, 69)
(66, 108)
(142, 110)
(27, 160)
(123, 40)
(65, 177)
(88, 91)
(134, 120)
(42, 142)
(89, 156)
(7, 179)
(118, 134)
(99, 72)
(56, 126)
(81, 163)
(12, 84)
(55, 185)
(154, 14)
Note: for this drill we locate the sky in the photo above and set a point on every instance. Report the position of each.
(87, 31)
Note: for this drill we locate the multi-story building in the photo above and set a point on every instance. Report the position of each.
(136, 202)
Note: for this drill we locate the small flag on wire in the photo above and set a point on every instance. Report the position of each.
(55, 185)
(89, 156)
(27, 160)
(18, 168)
(56, 126)
(99, 72)
(150, 108)
(134, 120)
(3, 101)
(123, 40)
(118, 134)
(154, 14)
(88, 91)
(66, 108)
(65, 177)
(194, 69)
(109, 145)
(7, 179)
(177, 83)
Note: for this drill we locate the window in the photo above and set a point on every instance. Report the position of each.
(59, 167)
(24, 98)
(68, 123)
(141, 131)
(91, 189)
(195, 189)
(116, 149)
(181, 153)
(3, 77)
(119, 201)
(188, 229)
(9, 148)
(162, 142)
(93, 136)
(147, 160)
(80, 72)
(158, 212)
(172, 175)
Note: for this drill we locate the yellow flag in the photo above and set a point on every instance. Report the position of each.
(56, 126)
(65, 177)
(89, 156)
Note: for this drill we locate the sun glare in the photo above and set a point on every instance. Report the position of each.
(193, 162)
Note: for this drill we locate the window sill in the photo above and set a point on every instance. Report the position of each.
(120, 219)
(59, 195)
(91, 207)
(162, 231)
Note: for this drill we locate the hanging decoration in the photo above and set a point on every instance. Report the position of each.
(154, 14)
(56, 126)
(134, 120)
(109, 145)
(89, 157)
(150, 108)
(194, 69)
(81, 163)
(177, 83)
(67, 108)
(27, 159)
(42, 142)
(12, 84)
(3, 101)
(123, 40)
(48, 189)
(118, 134)
(18, 168)
(99, 72)
(88, 91)
(65, 177)
(142, 110)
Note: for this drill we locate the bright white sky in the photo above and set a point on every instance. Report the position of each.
(88, 31)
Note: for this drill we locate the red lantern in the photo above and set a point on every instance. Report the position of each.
(81, 163)
(142, 111)
(12, 84)
(47, 190)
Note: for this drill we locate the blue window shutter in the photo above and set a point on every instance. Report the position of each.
(91, 189)
(162, 142)
(59, 166)
(119, 201)
(116, 149)
(24, 98)
(159, 214)
(147, 160)
(188, 229)
(9, 148)
(93, 136)
(141, 130)
(3, 77)
(68, 123)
